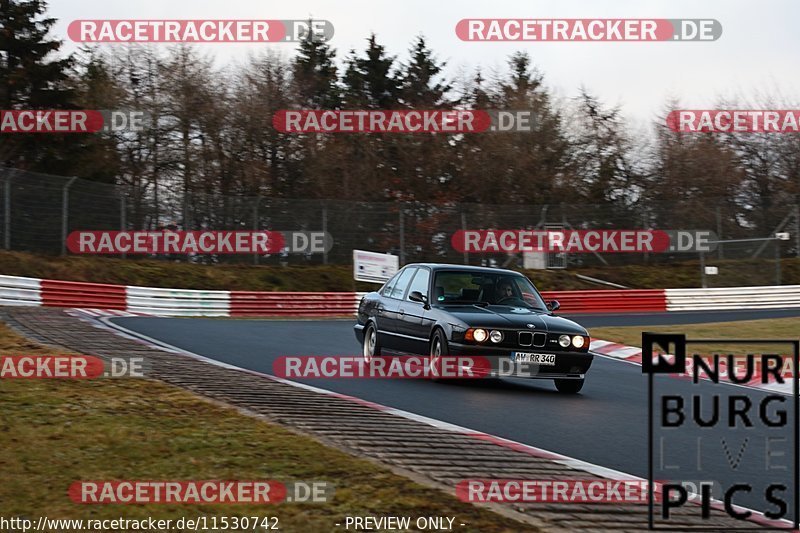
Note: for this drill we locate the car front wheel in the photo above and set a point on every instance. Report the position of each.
(438, 349)
(371, 346)
(569, 386)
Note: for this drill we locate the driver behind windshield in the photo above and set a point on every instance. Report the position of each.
(504, 292)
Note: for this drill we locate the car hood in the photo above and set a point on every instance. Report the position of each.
(504, 316)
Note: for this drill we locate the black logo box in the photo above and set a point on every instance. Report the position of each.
(675, 344)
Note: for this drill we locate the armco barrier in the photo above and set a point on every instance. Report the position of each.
(304, 304)
(622, 301)
(185, 302)
(782, 296)
(76, 294)
(177, 302)
(20, 291)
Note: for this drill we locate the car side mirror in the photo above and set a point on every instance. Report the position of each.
(553, 305)
(417, 296)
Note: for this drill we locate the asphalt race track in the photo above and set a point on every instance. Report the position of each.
(606, 424)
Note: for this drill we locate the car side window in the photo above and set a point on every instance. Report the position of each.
(420, 282)
(387, 289)
(402, 283)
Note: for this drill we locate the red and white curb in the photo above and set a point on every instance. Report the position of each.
(103, 312)
(632, 354)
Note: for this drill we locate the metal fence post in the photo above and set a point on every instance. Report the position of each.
(65, 214)
(720, 254)
(797, 230)
(645, 255)
(402, 239)
(464, 228)
(123, 223)
(703, 269)
(324, 231)
(777, 262)
(7, 210)
(255, 224)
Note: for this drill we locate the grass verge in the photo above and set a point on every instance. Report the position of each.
(55, 432)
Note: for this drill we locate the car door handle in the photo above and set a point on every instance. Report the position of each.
(402, 311)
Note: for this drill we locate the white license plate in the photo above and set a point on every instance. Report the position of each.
(547, 359)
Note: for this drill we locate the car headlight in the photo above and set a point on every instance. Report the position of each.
(564, 341)
(480, 335)
(578, 340)
(496, 336)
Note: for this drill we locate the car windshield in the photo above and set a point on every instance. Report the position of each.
(482, 288)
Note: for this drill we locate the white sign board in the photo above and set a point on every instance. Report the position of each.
(374, 267)
(712, 271)
(534, 260)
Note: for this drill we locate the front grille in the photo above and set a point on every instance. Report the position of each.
(525, 338)
(539, 339)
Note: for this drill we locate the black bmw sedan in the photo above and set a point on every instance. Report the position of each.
(441, 310)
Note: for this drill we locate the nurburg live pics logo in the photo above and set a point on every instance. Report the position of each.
(747, 416)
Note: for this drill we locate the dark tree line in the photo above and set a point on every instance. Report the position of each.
(212, 137)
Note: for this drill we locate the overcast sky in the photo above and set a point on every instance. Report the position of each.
(757, 53)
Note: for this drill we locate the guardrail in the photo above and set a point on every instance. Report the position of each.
(610, 301)
(156, 301)
(78, 294)
(309, 304)
(22, 291)
(177, 302)
(777, 297)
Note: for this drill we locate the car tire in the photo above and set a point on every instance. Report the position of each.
(438, 348)
(569, 386)
(371, 347)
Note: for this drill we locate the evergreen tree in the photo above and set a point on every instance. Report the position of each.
(315, 75)
(27, 77)
(479, 97)
(420, 88)
(31, 79)
(523, 88)
(369, 81)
